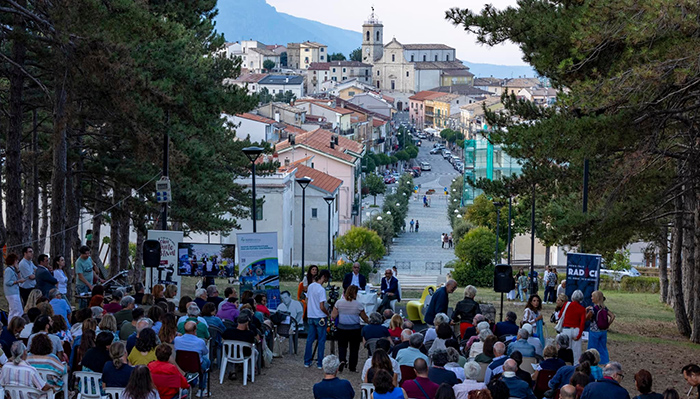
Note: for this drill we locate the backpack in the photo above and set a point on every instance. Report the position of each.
(602, 320)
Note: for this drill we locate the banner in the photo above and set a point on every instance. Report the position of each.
(582, 273)
(258, 267)
(165, 273)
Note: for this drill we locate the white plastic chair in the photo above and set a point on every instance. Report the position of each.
(22, 392)
(114, 393)
(367, 390)
(233, 353)
(89, 383)
(45, 374)
(393, 301)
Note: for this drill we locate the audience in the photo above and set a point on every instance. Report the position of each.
(209, 315)
(200, 298)
(550, 362)
(380, 361)
(395, 326)
(193, 312)
(31, 317)
(580, 379)
(374, 329)
(496, 366)
(114, 304)
(11, 333)
(521, 345)
(517, 387)
(140, 385)
(41, 357)
(481, 394)
(475, 345)
(385, 386)
(671, 394)
(261, 304)
(471, 331)
(19, 372)
(408, 356)
(691, 373)
(563, 375)
(404, 337)
(128, 327)
(498, 389)
(168, 328)
(59, 304)
(384, 345)
(182, 305)
(108, 324)
(128, 304)
(431, 333)
(563, 351)
(170, 293)
(487, 355)
(228, 309)
(520, 373)
(166, 376)
(142, 324)
(507, 327)
(96, 357)
(81, 346)
(138, 293)
(387, 315)
(444, 332)
(144, 350)
(453, 363)
(411, 387)
(43, 326)
(190, 342)
(568, 391)
(116, 372)
(596, 370)
(438, 374)
(609, 387)
(331, 386)
(471, 372)
(213, 295)
(154, 314)
(445, 392)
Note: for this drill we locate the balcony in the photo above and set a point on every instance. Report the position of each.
(347, 132)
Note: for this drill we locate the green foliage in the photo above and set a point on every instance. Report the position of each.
(454, 202)
(483, 213)
(478, 247)
(384, 159)
(619, 260)
(451, 136)
(375, 185)
(384, 227)
(286, 97)
(336, 57)
(360, 245)
(269, 65)
(289, 273)
(369, 162)
(356, 54)
(459, 229)
(402, 155)
(465, 274)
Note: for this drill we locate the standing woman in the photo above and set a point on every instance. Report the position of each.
(12, 282)
(533, 316)
(59, 263)
(574, 315)
(598, 334)
(310, 276)
(348, 310)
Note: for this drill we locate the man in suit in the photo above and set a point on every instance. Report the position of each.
(390, 290)
(45, 280)
(518, 388)
(355, 278)
(440, 301)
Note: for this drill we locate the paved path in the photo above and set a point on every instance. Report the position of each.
(415, 249)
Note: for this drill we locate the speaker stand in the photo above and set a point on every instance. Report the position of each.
(501, 306)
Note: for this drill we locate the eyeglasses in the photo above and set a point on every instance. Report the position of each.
(622, 376)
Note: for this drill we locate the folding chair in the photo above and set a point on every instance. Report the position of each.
(22, 392)
(45, 374)
(89, 384)
(542, 382)
(114, 393)
(367, 390)
(215, 345)
(482, 374)
(233, 352)
(527, 364)
(190, 363)
(407, 373)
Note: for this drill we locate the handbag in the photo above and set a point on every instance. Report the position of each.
(560, 324)
(421, 389)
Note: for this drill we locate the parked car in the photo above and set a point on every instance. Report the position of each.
(446, 154)
(416, 171)
(454, 159)
(418, 143)
(457, 164)
(425, 166)
(389, 179)
(435, 151)
(618, 275)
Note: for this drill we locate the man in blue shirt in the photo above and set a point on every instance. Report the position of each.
(390, 290)
(508, 327)
(521, 345)
(332, 387)
(440, 301)
(59, 305)
(518, 388)
(609, 387)
(190, 342)
(496, 366)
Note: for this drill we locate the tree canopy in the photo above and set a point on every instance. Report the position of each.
(360, 244)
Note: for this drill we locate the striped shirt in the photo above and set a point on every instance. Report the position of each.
(51, 363)
(23, 375)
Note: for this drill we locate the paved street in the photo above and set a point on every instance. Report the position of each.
(413, 250)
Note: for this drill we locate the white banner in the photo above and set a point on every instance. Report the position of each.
(258, 266)
(166, 273)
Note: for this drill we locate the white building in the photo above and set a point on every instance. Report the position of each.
(256, 127)
(373, 102)
(283, 83)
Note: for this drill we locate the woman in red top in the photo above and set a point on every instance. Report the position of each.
(395, 326)
(261, 304)
(574, 321)
(166, 376)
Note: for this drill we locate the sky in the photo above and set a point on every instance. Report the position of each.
(410, 21)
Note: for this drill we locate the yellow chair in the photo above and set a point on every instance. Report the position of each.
(414, 309)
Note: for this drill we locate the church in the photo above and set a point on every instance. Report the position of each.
(409, 68)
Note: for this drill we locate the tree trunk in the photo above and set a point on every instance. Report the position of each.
(662, 243)
(689, 207)
(44, 219)
(72, 221)
(58, 179)
(35, 184)
(547, 250)
(695, 337)
(13, 156)
(124, 225)
(677, 271)
(115, 239)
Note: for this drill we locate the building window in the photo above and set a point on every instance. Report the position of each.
(343, 70)
(411, 57)
(334, 78)
(259, 209)
(306, 50)
(322, 58)
(366, 72)
(447, 57)
(351, 93)
(393, 57)
(423, 57)
(378, 85)
(333, 70)
(406, 73)
(367, 35)
(314, 213)
(377, 73)
(322, 49)
(306, 60)
(377, 35)
(436, 57)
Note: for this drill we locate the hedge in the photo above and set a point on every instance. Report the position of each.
(293, 274)
(465, 274)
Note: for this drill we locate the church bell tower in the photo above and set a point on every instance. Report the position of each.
(372, 39)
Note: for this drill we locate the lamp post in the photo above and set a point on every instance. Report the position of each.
(498, 206)
(329, 200)
(303, 183)
(253, 153)
(532, 243)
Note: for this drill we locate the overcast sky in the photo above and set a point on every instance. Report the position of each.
(410, 21)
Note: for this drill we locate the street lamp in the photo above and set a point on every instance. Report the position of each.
(253, 153)
(329, 200)
(498, 206)
(303, 183)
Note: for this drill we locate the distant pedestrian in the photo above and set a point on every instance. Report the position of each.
(449, 241)
(444, 239)
(410, 229)
(417, 225)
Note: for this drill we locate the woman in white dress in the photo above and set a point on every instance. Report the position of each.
(59, 263)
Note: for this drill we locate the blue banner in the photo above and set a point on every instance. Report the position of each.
(582, 273)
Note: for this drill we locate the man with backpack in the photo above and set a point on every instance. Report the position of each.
(601, 318)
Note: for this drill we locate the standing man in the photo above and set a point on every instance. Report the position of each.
(410, 229)
(45, 281)
(355, 278)
(551, 282)
(317, 313)
(440, 301)
(85, 271)
(26, 270)
(389, 290)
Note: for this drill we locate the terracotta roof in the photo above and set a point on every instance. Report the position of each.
(351, 64)
(378, 122)
(323, 104)
(321, 180)
(293, 129)
(465, 90)
(256, 118)
(250, 78)
(387, 98)
(427, 47)
(522, 82)
(319, 66)
(357, 117)
(320, 140)
(425, 95)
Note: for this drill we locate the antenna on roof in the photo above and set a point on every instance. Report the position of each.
(291, 139)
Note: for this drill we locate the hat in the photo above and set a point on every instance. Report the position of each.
(527, 327)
